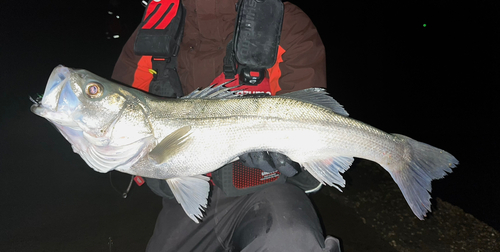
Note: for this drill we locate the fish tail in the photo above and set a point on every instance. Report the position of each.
(422, 164)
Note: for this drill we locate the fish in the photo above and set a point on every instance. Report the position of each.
(117, 127)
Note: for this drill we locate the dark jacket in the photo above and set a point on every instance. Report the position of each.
(209, 27)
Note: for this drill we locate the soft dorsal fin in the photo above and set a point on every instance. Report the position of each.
(318, 96)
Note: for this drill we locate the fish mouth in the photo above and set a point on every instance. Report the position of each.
(58, 80)
(59, 99)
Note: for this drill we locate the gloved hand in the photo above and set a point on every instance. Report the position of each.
(271, 161)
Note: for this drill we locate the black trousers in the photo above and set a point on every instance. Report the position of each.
(278, 218)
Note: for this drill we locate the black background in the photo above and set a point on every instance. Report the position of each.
(437, 84)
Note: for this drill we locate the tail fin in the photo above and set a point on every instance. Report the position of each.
(424, 163)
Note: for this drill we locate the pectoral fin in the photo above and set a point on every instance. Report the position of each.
(170, 145)
(191, 193)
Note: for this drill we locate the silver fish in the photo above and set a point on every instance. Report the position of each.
(114, 127)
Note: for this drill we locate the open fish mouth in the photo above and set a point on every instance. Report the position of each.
(59, 99)
(59, 95)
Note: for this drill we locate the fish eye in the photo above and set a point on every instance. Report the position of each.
(93, 90)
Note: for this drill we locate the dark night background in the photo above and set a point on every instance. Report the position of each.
(437, 84)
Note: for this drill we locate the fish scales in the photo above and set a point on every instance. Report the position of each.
(113, 127)
(256, 122)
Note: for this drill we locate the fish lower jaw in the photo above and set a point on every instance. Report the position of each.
(38, 110)
(54, 116)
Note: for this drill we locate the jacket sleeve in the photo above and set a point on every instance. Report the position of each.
(304, 60)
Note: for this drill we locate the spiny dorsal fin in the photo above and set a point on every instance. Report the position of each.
(318, 96)
(212, 92)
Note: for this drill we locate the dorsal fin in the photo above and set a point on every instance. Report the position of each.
(212, 92)
(318, 96)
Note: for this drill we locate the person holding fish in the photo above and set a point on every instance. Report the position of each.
(191, 140)
(259, 202)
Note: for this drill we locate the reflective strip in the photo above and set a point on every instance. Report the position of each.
(275, 72)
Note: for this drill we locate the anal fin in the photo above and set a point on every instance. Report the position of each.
(329, 171)
(191, 193)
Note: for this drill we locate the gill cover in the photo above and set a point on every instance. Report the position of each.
(104, 122)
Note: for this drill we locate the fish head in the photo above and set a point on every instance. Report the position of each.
(105, 122)
(79, 99)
